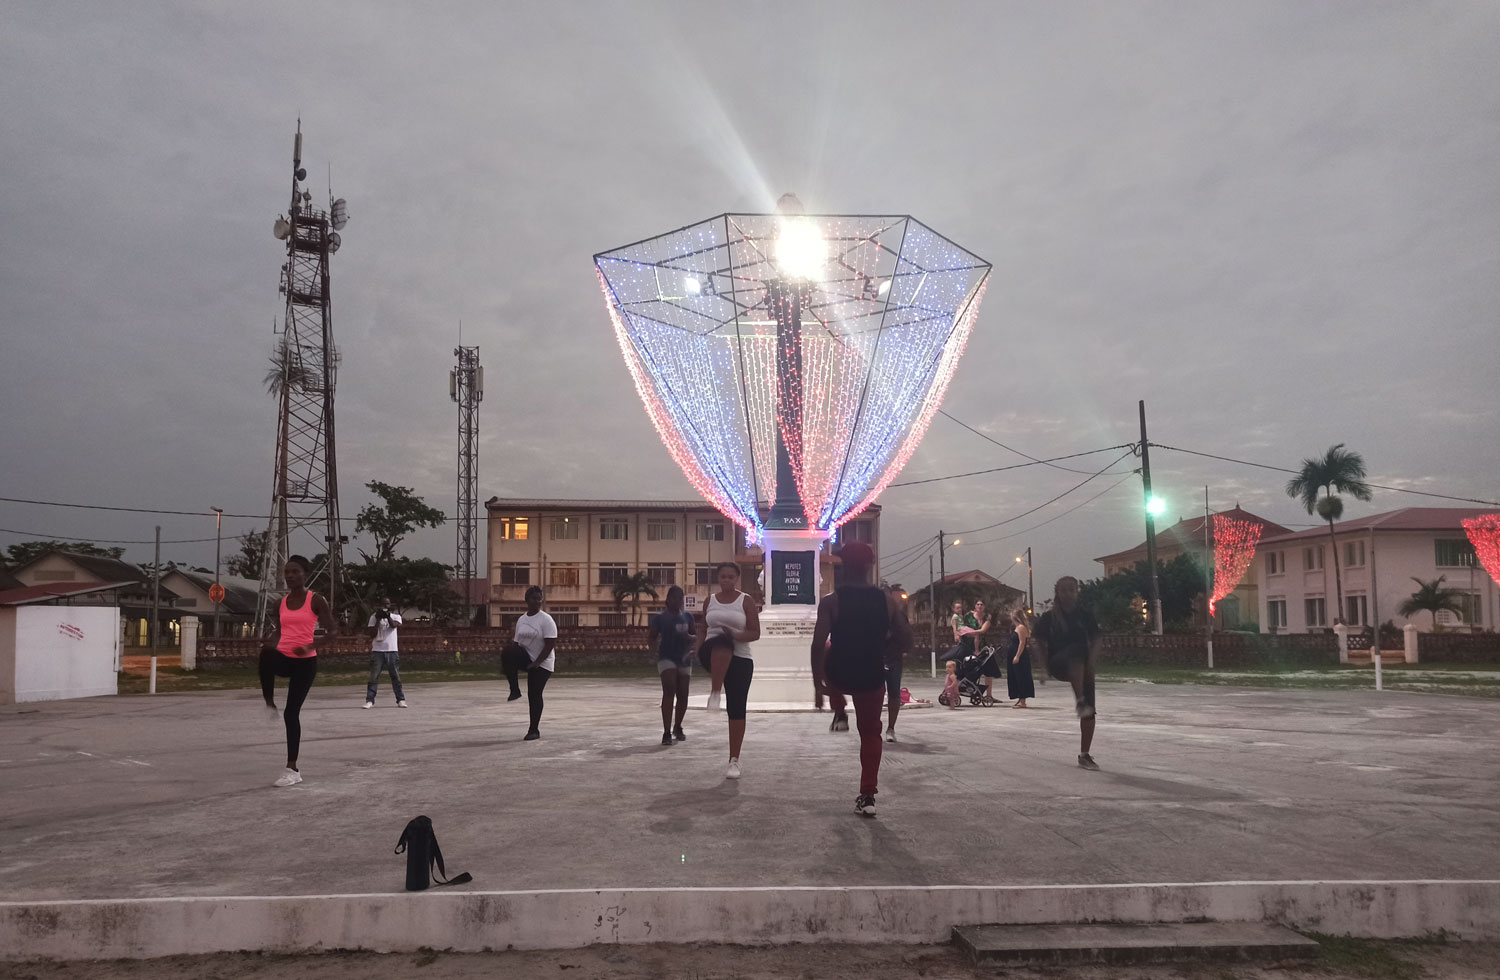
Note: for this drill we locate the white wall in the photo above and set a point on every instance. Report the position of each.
(48, 653)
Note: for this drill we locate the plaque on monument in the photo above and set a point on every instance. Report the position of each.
(792, 577)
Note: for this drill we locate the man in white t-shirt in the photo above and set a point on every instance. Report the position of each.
(536, 632)
(383, 653)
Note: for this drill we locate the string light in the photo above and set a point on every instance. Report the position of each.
(1234, 549)
(1484, 535)
(874, 314)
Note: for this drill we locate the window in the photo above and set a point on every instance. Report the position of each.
(661, 529)
(1470, 609)
(613, 619)
(1275, 562)
(1453, 553)
(1316, 611)
(1276, 614)
(704, 575)
(1356, 610)
(1354, 554)
(1312, 558)
(563, 574)
(565, 528)
(515, 528)
(564, 615)
(613, 572)
(614, 529)
(858, 531)
(515, 573)
(661, 573)
(710, 530)
(509, 615)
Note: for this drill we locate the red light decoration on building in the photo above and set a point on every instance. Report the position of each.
(1484, 535)
(1234, 550)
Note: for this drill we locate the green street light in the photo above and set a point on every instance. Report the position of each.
(1156, 506)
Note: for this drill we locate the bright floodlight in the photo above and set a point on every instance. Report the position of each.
(885, 287)
(694, 286)
(801, 251)
(1156, 506)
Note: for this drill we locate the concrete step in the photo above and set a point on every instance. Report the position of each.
(1111, 943)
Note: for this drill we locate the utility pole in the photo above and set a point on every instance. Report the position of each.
(1375, 621)
(942, 555)
(155, 607)
(1155, 597)
(1030, 585)
(218, 543)
(1208, 583)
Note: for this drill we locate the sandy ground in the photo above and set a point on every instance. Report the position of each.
(1455, 961)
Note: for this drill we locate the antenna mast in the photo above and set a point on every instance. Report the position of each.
(305, 494)
(466, 387)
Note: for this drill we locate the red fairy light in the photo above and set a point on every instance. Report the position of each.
(1484, 535)
(1234, 550)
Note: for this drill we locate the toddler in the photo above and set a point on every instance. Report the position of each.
(950, 686)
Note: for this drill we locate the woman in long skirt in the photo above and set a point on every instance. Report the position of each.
(1018, 680)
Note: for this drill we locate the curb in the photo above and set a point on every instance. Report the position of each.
(567, 919)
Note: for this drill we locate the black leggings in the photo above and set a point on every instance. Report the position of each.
(536, 682)
(737, 686)
(299, 672)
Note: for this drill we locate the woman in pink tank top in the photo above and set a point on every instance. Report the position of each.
(291, 651)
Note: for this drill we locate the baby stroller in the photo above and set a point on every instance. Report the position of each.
(970, 673)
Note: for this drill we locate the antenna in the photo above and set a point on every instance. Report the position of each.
(466, 387)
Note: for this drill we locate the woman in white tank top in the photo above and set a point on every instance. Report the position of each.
(733, 614)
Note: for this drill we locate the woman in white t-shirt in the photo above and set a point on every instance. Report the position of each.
(733, 615)
(537, 634)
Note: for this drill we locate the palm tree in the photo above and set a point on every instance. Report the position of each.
(1431, 597)
(287, 371)
(1341, 470)
(632, 587)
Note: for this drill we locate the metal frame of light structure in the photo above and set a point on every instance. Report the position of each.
(883, 309)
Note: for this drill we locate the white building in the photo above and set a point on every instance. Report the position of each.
(1295, 571)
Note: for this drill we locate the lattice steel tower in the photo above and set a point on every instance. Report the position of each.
(305, 496)
(466, 386)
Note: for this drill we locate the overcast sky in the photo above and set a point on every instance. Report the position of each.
(1279, 223)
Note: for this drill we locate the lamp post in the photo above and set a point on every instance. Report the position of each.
(218, 542)
(1030, 584)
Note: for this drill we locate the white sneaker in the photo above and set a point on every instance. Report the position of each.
(369, 704)
(714, 698)
(401, 704)
(890, 736)
(289, 777)
(734, 769)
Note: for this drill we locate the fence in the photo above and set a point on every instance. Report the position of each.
(1230, 650)
(1460, 648)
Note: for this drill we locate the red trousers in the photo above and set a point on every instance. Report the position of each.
(867, 705)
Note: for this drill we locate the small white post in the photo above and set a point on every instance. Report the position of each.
(152, 689)
(190, 626)
(933, 654)
(1410, 629)
(1342, 632)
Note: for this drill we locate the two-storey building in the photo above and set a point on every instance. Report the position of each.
(1296, 575)
(579, 551)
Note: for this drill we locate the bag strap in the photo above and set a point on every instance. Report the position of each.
(401, 844)
(440, 873)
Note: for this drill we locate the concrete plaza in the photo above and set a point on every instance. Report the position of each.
(171, 796)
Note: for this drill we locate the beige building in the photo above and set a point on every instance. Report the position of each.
(579, 550)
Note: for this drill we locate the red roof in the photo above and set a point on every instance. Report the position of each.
(1189, 530)
(1405, 519)
(56, 590)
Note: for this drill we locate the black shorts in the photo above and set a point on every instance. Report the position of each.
(737, 687)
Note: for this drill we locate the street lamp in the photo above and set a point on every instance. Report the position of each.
(1030, 588)
(218, 542)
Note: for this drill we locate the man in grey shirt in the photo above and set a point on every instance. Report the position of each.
(383, 653)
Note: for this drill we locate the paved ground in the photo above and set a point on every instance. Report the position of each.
(1345, 961)
(140, 796)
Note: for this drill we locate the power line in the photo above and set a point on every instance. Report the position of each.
(1014, 466)
(1283, 469)
(987, 437)
(69, 537)
(1039, 506)
(1057, 517)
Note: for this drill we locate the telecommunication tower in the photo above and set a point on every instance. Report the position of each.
(305, 496)
(466, 387)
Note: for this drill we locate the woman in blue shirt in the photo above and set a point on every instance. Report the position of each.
(671, 636)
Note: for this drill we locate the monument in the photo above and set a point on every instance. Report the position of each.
(791, 363)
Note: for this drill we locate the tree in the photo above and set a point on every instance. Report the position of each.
(410, 583)
(403, 513)
(1431, 597)
(632, 587)
(1111, 599)
(247, 564)
(20, 554)
(1341, 470)
(287, 372)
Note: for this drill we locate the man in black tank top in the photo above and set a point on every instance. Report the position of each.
(848, 658)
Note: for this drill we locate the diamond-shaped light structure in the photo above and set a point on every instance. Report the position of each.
(827, 340)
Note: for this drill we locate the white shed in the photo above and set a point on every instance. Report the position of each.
(51, 652)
